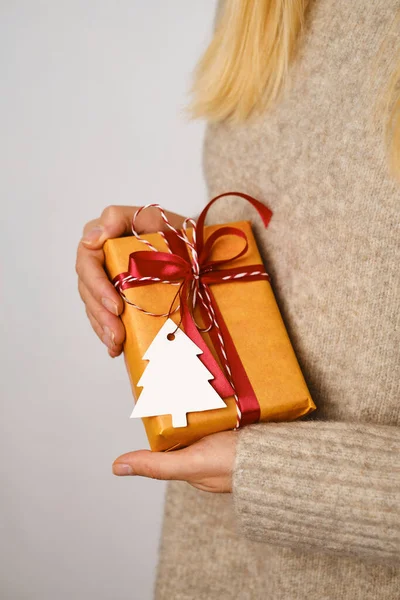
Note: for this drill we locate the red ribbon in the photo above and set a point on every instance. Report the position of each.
(177, 267)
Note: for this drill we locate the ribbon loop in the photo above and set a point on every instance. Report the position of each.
(212, 241)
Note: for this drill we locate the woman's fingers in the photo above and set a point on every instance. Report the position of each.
(90, 269)
(115, 221)
(113, 350)
(97, 328)
(108, 327)
(103, 302)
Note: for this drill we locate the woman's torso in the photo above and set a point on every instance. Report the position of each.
(332, 249)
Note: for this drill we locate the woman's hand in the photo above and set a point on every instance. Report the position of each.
(206, 465)
(102, 301)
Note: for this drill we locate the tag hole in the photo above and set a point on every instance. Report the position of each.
(171, 337)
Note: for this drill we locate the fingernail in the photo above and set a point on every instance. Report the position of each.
(108, 337)
(93, 235)
(121, 469)
(110, 305)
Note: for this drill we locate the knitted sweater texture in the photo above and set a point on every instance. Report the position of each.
(315, 511)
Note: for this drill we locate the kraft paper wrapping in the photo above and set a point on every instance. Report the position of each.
(254, 322)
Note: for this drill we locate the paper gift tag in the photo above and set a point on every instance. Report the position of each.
(175, 381)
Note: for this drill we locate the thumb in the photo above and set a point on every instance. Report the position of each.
(156, 465)
(115, 221)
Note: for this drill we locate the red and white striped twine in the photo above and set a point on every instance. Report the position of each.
(226, 363)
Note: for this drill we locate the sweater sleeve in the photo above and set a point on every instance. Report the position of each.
(321, 486)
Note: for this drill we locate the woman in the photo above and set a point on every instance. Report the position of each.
(290, 92)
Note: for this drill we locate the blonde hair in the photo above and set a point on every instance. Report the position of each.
(245, 67)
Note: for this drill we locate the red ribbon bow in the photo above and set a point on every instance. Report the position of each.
(195, 275)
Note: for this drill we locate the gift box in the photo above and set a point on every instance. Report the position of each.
(269, 384)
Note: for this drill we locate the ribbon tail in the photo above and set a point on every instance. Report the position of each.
(245, 395)
(264, 212)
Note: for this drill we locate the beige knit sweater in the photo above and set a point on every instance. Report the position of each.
(315, 511)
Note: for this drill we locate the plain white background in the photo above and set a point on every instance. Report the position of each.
(91, 113)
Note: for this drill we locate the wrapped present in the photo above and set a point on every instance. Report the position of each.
(230, 363)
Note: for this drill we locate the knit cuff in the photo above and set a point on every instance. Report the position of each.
(320, 486)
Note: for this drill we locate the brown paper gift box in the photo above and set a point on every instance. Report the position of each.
(254, 322)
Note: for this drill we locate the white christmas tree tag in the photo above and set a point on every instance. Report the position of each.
(175, 381)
